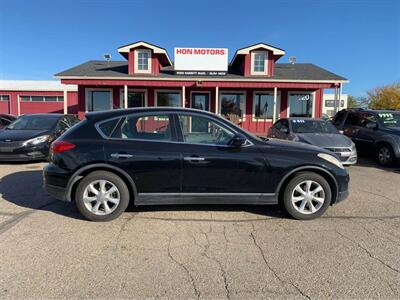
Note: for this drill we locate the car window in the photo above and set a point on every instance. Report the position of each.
(285, 124)
(62, 125)
(278, 125)
(339, 118)
(202, 130)
(352, 119)
(107, 127)
(146, 127)
(366, 118)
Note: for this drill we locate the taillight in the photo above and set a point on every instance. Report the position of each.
(61, 146)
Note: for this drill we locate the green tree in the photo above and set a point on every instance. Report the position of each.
(385, 97)
(352, 102)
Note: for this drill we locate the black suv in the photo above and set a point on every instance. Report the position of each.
(153, 156)
(373, 131)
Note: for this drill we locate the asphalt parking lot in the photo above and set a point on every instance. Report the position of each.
(48, 250)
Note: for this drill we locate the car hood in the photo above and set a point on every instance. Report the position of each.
(20, 135)
(294, 146)
(324, 140)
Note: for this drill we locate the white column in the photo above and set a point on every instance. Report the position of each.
(18, 106)
(275, 103)
(183, 96)
(340, 96)
(65, 101)
(216, 99)
(125, 96)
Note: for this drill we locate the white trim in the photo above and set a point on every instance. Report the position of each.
(216, 99)
(276, 107)
(122, 95)
(301, 92)
(194, 79)
(136, 63)
(164, 91)
(18, 105)
(252, 72)
(89, 90)
(36, 85)
(243, 118)
(65, 102)
(201, 92)
(157, 50)
(274, 50)
(183, 96)
(125, 96)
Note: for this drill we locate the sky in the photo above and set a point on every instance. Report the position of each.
(357, 39)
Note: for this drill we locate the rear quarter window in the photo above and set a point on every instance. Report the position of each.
(107, 128)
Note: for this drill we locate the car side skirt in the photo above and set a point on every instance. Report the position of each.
(206, 198)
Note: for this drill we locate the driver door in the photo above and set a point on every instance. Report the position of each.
(210, 165)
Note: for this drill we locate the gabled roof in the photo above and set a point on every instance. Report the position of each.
(124, 50)
(119, 70)
(246, 50)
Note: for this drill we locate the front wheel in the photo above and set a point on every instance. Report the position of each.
(102, 196)
(307, 196)
(385, 155)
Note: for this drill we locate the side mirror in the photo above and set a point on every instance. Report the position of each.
(371, 125)
(238, 140)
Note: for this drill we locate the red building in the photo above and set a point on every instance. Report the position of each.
(18, 97)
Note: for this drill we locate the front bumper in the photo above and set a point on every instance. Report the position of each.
(19, 153)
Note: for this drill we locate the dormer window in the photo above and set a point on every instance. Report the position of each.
(259, 61)
(142, 61)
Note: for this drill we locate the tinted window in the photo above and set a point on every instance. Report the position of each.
(366, 118)
(232, 104)
(149, 127)
(313, 126)
(108, 127)
(352, 119)
(278, 125)
(202, 130)
(32, 122)
(300, 105)
(339, 118)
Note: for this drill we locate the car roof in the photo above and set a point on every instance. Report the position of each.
(95, 116)
(368, 110)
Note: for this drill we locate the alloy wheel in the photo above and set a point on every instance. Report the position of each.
(308, 197)
(384, 155)
(101, 197)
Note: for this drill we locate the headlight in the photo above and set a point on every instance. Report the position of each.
(36, 140)
(333, 160)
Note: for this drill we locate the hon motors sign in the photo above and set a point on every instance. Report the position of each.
(201, 61)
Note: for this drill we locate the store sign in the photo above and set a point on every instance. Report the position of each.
(201, 61)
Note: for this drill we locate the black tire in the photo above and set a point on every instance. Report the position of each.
(111, 178)
(385, 155)
(289, 191)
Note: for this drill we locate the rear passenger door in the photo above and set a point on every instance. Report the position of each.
(144, 145)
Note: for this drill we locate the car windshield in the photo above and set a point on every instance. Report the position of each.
(390, 119)
(33, 122)
(312, 126)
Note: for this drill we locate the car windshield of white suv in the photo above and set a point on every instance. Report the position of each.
(390, 119)
(312, 126)
(32, 122)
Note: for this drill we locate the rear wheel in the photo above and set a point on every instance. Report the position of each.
(307, 196)
(102, 196)
(385, 155)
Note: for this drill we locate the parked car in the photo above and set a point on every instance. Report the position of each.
(29, 136)
(5, 120)
(151, 156)
(373, 131)
(316, 132)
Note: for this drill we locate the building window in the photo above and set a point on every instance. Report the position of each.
(301, 105)
(99, 100)
(4, 98)
(42, 98)
(172, 99)
(259, 62)
(232, 104)
(263, 106)
(143, 61)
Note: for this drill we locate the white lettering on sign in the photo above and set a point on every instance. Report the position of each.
(201, 59)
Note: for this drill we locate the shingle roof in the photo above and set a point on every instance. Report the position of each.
(119, 69)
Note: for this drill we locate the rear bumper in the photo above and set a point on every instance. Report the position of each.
(57, 192)
(55, 182)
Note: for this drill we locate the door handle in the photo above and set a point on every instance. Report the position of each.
(121, 155)
(193, 158)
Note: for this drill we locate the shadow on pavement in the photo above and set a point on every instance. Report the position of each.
(367, 161)
(25, 189)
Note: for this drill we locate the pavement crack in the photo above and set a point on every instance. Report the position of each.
(367, 252)
(195, 289)
(379, 195)
(272, 269)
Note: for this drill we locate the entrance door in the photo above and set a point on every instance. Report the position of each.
(201, 101)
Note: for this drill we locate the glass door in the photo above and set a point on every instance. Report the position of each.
(201, 101)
